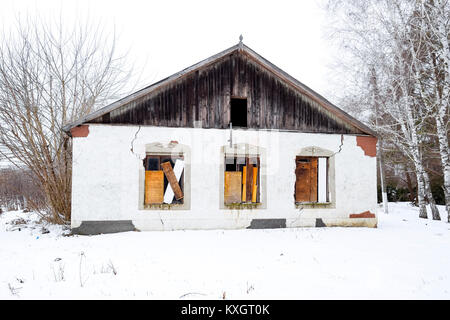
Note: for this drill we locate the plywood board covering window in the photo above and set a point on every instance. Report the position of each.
(311, 183)
(154, 187)
(164, 179)
(242, 179)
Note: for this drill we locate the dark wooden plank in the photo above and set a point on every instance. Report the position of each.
(170, 175)
(197, 105)
(314, 179)
(205, 95)
(249, 181)
(303, 181)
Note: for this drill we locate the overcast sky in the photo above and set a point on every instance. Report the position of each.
(163, 37)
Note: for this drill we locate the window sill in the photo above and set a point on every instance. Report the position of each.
(243, 206)
(299, 205)
(163, 206)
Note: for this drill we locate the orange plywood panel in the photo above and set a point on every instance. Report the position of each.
(255, 187)
(154, 187)
(233, 185)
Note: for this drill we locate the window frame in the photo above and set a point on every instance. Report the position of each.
(169, 149)
(239, 167)
(318, 152)
(243, 150)
(314, 185)
(161, 159)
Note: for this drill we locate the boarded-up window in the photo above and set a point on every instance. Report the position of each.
(164, 179)
(311, 183)
(242, 182)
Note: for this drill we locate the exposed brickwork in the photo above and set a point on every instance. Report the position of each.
(368, 144)
(80, 131)
(365, 214)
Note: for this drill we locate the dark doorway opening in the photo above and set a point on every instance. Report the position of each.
(239, 112)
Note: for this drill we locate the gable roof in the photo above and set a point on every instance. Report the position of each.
(284, 76)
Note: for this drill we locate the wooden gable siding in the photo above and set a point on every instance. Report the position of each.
(204, 95)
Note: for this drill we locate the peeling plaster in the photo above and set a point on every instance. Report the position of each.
(80, 131)
(108, 180)
(368, 144)
(365, 214)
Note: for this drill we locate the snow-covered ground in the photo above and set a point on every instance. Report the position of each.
(404, 258)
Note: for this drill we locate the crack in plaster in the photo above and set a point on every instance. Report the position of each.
(132, 142)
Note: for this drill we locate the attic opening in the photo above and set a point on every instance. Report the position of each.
(238, 107)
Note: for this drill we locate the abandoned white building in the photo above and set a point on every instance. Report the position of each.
(230, 142)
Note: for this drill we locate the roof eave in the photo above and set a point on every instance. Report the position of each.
(311, 93)
(148, 89)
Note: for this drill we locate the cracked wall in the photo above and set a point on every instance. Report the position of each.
(107, 178)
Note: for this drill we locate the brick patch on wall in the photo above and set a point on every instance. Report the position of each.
(368, 144)
(365, 214)
(80, 131)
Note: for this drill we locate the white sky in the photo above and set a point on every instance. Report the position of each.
(164, 37)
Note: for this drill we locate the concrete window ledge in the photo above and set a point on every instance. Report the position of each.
(243, 206)
(310, 205)
(164, 206)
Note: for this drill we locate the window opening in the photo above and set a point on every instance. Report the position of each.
(311, 183)
(242, 179)
(164, 179)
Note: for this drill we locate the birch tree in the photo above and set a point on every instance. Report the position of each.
(52, 74)
(434, 23)
(382, 41)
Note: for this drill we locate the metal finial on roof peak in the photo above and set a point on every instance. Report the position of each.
(241, 38)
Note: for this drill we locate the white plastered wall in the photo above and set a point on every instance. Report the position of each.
(107, 165)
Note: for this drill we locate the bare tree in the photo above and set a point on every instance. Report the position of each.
(19, 190)
(433, 21)
(384, 44)
(52, 74)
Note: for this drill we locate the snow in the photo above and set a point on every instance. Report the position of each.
(404, 258)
